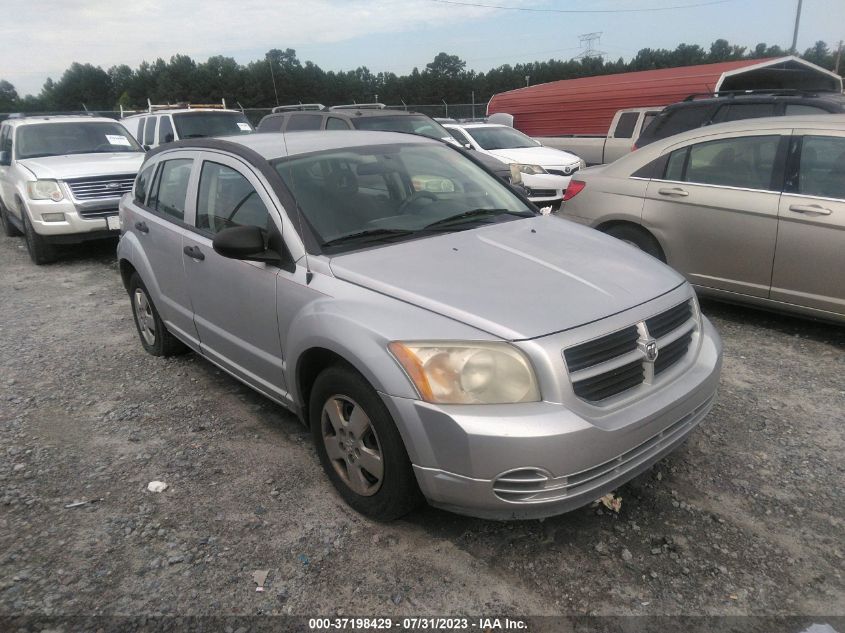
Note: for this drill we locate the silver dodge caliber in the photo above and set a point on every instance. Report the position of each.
(441, 338)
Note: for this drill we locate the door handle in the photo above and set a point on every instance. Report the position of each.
(812, 209)
(194, 253)
(673, 191)
(142, 226)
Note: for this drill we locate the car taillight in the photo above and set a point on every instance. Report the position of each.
(575, 187)
(633, 147)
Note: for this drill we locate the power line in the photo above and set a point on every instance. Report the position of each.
(533, 10)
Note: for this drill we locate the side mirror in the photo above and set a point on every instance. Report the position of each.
(146, 148)
(168, 138)
(5, 159)
(246, 243)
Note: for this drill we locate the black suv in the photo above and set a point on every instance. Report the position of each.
(694, 111)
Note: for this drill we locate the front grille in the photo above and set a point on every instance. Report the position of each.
(601, 349)
(665, 322)
(614, 363)
(98, 213)
(101, 187)
(534, 485)
(560, 172)
(672, 353)
(610, 383)
(542, 193)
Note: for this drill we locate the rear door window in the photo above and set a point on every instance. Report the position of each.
(333, 123)
(298, 122)
(171, 188)
(822, 167)
(798, 109)
(142, 184)
(747, 162)
(740, 111)
(139, 136)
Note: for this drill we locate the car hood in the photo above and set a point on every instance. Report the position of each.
(545, 156)
(516, 280)
(82, 165)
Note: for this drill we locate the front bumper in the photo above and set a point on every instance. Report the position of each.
(545, 189)
(466, 455)
(80, 222)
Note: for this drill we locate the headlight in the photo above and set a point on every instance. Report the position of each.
(450, 372)
(530, 169)
(582, 164)
(44, 190)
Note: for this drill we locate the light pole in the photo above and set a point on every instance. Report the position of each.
(794, 49)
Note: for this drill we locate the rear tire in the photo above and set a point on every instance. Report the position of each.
(9, 229)
(639, 237)
(155, 338)
(360, 447)
(40, 250)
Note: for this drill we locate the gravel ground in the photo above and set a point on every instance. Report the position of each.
(746, 518)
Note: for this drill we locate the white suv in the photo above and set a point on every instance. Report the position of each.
(61, 178)
(153, 128)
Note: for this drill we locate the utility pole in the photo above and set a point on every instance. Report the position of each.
(838, 58)
(794, 49)
(273, 77)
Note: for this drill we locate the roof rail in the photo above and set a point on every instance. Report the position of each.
(25, 115)
(184, 105)
(758, 91)
(299, 106)
(359, 106)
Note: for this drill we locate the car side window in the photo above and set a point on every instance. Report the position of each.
(227, 199)
(333, 123)
(139, 136)
(822, 167)
(625, 125)
(5, 139)
(675, 164)
(746, 162)
(459, 136)
(165, 130)
(142, 184)
(797, 109)
(304, 122)
(739, 111)
(150, 131)
(171, 188)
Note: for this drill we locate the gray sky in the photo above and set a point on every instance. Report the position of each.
(40, 38)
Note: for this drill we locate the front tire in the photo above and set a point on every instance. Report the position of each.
(40, 250)
(155, 338)
(636, 236)
(360, 447)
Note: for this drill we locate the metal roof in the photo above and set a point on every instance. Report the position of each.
(586, 106)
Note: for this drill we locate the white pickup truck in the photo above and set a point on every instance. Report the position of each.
(596, 150)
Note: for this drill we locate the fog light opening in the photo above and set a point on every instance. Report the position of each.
(53, 217)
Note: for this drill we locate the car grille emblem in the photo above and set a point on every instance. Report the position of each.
(651, 350)
(112, 185)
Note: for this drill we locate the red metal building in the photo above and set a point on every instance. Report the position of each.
(586, 106)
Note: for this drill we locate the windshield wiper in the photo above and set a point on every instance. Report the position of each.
(368, 235)
(472, 214)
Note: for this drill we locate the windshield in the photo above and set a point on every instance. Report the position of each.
(201, 124)
(77, 137)
(356, 196)
(412, 124)
(500, 138)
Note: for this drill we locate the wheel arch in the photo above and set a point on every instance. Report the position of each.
(604, 227)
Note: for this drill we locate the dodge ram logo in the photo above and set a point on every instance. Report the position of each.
(651, 351)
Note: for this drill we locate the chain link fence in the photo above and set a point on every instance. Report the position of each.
(460, 111)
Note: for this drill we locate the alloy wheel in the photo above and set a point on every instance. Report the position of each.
(144, 315)
(352, 445)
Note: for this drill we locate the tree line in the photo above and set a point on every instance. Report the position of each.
(281, 78)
